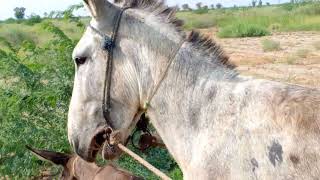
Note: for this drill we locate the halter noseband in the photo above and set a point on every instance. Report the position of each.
(108, 45)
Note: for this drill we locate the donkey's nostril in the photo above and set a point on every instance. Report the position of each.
(80, 60)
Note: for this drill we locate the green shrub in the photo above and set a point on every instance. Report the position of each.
(35, 89)
(33, 19)
(288, 6)
(308, 9)
(270, 45)
(201, 11)
(30, 109)
(10, 21)
(242, 29)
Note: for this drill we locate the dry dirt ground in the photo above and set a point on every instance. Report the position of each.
(297, 61)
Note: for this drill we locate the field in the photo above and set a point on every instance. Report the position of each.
(297, 60)
(280, 43)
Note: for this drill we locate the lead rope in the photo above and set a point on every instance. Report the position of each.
(149, 99)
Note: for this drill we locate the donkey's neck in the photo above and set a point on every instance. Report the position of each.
(146, 48)
(199, 73)
(194, 86)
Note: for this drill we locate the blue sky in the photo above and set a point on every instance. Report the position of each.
(41, 6)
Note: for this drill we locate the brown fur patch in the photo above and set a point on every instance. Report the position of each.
(294, 159)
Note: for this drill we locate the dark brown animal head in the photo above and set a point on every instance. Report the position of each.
(76, 168)
(61, 159)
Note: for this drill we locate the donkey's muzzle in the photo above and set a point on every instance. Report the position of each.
(88, 144)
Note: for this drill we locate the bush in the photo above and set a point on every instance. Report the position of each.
(288, 6)
(10, 21)
(270, 45)
(33, 19)
(243, 30)
(308, 9)
(31, 109)
(35, 89)
(201, 11)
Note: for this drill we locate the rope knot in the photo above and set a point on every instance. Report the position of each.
(107, 44)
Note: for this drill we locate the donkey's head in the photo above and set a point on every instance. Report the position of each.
(75, 168)
(141, 53)
(60, 159)
(86, 122)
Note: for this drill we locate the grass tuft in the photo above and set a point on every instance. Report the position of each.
(270, 45)
(316, 45)
(302, 53)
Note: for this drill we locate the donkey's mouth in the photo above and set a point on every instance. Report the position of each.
(100, 142)
(99, 138)
(110, 152)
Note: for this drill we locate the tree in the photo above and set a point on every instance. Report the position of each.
(199, 5)
(19, 12)
(205, 7)
(254, 2)
(51, 14)
(219, 6)
(267, 3)
(185, 7)
(212, 6)
(260, 3)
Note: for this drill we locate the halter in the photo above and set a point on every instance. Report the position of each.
(108, 45)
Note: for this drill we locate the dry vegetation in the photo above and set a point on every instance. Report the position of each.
(297, 61)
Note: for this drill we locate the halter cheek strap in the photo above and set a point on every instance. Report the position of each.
(108, 44)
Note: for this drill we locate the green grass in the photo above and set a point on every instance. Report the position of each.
(270, 45)
(243, 30)
(302, 17)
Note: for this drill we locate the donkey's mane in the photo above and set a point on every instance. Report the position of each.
(201, 42)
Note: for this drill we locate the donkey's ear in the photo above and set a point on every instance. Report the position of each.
(53, 157)
(97, 8)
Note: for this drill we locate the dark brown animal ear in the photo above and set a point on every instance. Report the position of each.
(53, 157)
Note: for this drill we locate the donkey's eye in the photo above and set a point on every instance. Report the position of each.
(80, 60)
